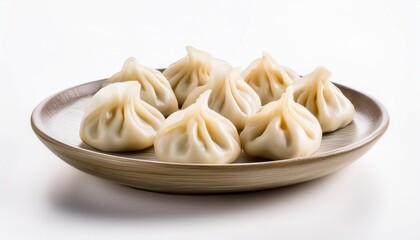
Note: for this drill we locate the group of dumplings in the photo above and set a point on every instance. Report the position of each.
(267, 110)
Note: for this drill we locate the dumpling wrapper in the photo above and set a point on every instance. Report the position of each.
(268, 78)
(324, 100)
(190, 72)
(231, 96)
(155, 88)
(282, 129)
(198, 135)
(116, 119)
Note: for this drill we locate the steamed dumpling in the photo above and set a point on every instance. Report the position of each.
(268, 78)
(116, 119)
(190, 72)
(329, 105)
(155, 88)
(197, 134)
(230, 95)
(282, 129)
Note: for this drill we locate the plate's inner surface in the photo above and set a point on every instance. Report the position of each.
(63, 113)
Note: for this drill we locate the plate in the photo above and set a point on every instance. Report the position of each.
(56, 122)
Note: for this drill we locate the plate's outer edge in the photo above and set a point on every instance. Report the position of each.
(185, 178)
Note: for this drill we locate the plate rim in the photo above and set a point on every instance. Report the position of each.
(38, 126)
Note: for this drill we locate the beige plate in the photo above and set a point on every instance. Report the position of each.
(56, 122)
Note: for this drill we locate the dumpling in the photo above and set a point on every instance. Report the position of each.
(155, 88)
(268, 78)
(324, 100)
(282, 129)
(197, 134)
(116, 119)
(190, 72)
(230, 95)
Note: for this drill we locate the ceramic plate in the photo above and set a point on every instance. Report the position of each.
(57, 119)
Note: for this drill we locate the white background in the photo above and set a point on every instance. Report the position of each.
(47, 46)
